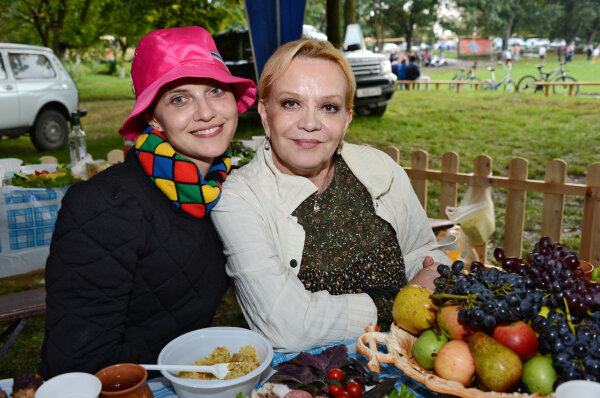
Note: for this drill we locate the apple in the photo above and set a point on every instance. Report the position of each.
(539, 375)
(426, 347)
(451, 327)
(455, 362)
(519, 337)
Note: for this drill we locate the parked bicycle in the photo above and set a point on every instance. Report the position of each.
(509, 85)
(527, 82)
(461, 76)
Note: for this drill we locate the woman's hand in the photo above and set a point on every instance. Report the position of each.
(426, 276)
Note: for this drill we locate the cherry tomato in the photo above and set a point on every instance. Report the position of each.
(343, 394)
(336, 373)
(354, 389)
(335, 390)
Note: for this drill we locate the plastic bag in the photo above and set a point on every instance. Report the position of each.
(465, 251)
(475, 215)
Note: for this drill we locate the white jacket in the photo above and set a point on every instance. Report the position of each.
(263, 243)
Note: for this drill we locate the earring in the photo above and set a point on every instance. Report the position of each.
(267, 143)
(339, 148)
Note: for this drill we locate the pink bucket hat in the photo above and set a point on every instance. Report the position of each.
(165, 55)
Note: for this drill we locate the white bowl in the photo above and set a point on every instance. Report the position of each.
(32, 168)
(578, 389)
(190, 347)
(70, 385)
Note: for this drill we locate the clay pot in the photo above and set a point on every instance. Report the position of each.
(124, 380)
(587, 269)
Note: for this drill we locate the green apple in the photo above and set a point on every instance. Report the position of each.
(539, 375)
(426, 346)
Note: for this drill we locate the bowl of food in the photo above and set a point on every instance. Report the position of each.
(217, 345)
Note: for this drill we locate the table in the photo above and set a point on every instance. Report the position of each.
(161, 387)
(27, 218)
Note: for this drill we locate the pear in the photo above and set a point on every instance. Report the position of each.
(498, 367)
(413, 309)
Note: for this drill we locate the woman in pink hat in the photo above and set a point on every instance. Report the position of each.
(135, 260)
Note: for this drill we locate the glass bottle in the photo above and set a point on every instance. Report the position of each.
(77, 146)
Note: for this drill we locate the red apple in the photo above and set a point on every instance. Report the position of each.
(455, 362)
(519, 337)
(451, 327)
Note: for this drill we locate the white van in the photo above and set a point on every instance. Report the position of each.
(37, 95)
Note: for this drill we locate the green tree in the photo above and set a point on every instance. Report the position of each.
(580, 18)
(406, 18)
(349, 12)
(316, 15)
(333, 22)
(79, 24)
(505, 17)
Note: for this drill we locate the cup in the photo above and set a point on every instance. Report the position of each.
(587, 268)
(124, 380)
(578, 389)
(70, 385)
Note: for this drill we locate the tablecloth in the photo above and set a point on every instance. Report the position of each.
(161, 387)
(27, 218)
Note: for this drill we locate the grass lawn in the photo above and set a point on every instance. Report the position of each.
(502, 126)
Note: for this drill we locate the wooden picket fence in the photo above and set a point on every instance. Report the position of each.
(554, 188)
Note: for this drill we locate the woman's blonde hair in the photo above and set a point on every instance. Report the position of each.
(281, 59)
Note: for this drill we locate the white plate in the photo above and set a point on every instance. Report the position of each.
(6, 385)
(32, 168)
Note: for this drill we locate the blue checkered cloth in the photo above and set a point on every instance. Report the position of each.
(161, 387)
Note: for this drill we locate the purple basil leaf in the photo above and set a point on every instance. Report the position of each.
(294, 374)
(334, 355)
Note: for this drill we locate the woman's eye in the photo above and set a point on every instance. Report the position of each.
(179, 100)
(289, 104)
(216, 90)
(331, 108)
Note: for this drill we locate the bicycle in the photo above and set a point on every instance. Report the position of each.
(509, 85)
(527, 83)
(460, 76)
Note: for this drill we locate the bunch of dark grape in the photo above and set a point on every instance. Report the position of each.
(548, 278)
(575, 356)
(487, 296)
(556, 272)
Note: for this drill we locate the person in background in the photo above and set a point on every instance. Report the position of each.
(319, 234)
(559, 53)
(571, 50)
(135, 260)
(401, 73)
(595, 54)
(542, 54)
(412, 70)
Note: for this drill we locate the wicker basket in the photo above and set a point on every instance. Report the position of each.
(399, 344)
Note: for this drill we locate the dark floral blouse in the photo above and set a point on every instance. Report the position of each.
(347, 247)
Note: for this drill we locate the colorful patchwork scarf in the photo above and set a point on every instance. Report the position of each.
(179, 178)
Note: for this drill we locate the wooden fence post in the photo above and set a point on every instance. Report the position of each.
(554, 203)
(515, 209)
(393, 152)
(448, 192)
(420, 161)
(590, 231)
(482, 167)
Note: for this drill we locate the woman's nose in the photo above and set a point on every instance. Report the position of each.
(310, 120)
(203, 110)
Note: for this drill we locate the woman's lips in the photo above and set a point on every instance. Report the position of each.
(207, 133)
(307, 143)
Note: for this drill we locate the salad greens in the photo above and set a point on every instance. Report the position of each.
(308, 372)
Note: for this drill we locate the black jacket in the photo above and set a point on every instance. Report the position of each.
(412, 71)
(128, 271)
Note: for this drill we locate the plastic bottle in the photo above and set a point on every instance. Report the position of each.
(77, 145)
